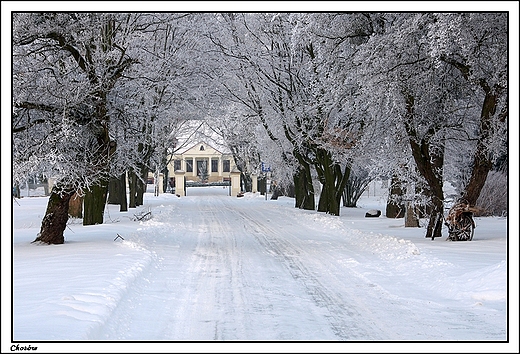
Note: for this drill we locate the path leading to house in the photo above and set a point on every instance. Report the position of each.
(228, 269)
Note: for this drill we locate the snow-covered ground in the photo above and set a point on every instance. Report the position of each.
(210, 268)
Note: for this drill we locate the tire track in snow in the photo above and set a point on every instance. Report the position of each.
(344, 316)
(335, 276)
(349, 296)
(214, 306)
(221, 273)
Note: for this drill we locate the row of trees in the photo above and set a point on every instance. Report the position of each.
(328, 100)
(97, 96)
(423, 94)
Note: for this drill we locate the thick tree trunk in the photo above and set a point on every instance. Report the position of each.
(333, 180)
(76, 206)
(166, 179)
(429, 163)
(395, 209)
(303, 188)
(132, 184)
(141, 187)
(247, 181)
(262, 181)
(96, 197)
(435, 183)
(117, 192)
(123, 206)
(114, 191)
(481, 162)
(434, 228)
(411, 219)
(326, 203)
(16, 191)
(139, 196)
(94, 203)
(56, 216)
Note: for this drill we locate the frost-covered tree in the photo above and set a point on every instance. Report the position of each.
(64, 67)
(89, 85)
(475, 45)
(330, 96)
(156, 99)
(243, 84)
(295, 78)
(427, 94)
(419, 95)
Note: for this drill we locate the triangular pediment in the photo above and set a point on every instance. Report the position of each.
(200, 148)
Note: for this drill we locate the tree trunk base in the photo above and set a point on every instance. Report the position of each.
(56, 217)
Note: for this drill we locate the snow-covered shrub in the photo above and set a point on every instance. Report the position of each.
(493, 197)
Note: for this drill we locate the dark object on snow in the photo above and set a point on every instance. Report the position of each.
(373, 213)
(240, 194)
(143, 216)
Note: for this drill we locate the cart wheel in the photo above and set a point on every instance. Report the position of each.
(466, 229)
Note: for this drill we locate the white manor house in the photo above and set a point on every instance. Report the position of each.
(202, 163)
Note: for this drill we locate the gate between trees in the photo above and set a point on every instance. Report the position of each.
(180, 180)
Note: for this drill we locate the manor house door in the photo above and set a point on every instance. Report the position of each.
(202, 169)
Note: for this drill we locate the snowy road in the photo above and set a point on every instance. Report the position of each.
(226, 269)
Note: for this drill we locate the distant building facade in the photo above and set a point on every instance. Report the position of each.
(202, 163)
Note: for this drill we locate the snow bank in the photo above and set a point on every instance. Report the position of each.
(89, 280)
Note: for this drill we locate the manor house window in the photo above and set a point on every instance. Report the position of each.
(214, 165)
(226, 165)
(189, 165)
(177, 165)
